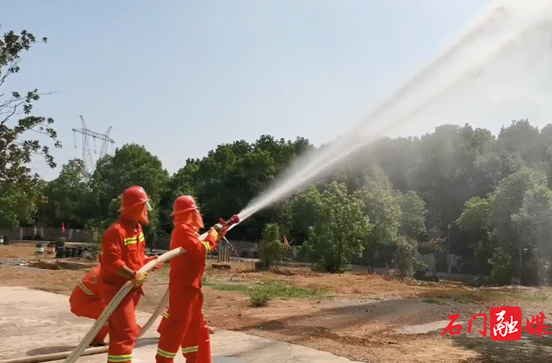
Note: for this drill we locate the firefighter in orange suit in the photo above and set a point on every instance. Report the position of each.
(86, 302)
(184, 319)
(122, 255)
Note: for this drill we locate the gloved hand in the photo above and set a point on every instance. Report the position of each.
(221, 230)
(158, 266)
(139, 278)
(213, 238)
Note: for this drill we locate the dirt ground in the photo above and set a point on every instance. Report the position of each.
(354, 315)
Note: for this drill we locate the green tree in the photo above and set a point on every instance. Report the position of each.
(474, 223)
(16, 149)
(507, 201)
(534, 223)
(501, 271)
(340, 231)
(67, 197)
(305, 208)
(413, 216)
(384, 211)
(272, 249)
(18, 206)
(130, 165)
(404, 259)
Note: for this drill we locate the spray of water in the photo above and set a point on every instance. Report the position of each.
(502, 32)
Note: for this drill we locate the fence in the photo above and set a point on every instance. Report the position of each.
(47, 234)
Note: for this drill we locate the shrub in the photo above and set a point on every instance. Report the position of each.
(259, 298)
(501, 270)
(271, 250)
(404, 258)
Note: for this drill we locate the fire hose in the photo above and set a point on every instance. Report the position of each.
(71, 357)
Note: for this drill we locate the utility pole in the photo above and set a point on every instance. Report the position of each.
(86, 153)
(90, 164)
(448, 249)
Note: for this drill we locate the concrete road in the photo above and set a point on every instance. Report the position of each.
(36, 322)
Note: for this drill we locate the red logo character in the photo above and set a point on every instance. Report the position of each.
(506, 323)
(484, 331)
(453, 329)
(540, 328)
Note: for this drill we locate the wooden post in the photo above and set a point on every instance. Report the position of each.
(224, 254)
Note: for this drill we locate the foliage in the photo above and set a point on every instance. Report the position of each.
(272, 250)
(64, 196)
(433, 244)
(340, 230)
(404, 259)
(18, 205)
(259, 298)
(420, 266)
(413, 215)
(384, 211)
(501, 272)
(16, 150)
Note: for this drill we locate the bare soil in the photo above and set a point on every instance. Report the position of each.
(356, 317)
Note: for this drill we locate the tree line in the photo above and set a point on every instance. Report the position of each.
(459, 189)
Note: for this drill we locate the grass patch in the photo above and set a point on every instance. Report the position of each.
(461, 296)
(538, 297)
(259, 298)
(261, 293)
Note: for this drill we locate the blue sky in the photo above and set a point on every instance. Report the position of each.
(181, 77)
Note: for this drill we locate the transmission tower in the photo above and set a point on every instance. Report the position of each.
(88, 134)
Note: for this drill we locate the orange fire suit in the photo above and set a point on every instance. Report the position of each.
(123, 244)
(184, 317)
(86, 301)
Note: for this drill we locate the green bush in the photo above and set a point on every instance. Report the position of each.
(404, 259)
(501, 270)
(272, 249)
(259, 297)
(421, 266)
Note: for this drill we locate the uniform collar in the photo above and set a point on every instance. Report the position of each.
(131, 225)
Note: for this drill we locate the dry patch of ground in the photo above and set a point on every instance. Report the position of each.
(351, 315)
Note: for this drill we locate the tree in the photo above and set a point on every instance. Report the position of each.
(66, 197)
(534, 223)
(404, 257)
(474, 222)
(272, 249)
(413, 215)
(304, 210)
(130, 165)
(384, 211)
(18, 206)
(507, 201)
(340, 231)
(16, 149)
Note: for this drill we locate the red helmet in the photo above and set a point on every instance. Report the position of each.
(134, 196)
(183, 204)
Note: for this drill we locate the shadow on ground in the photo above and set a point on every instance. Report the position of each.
(528, 349)
(68, 348)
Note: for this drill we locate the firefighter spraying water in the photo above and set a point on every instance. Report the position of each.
(185, 324)
(124, 268)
